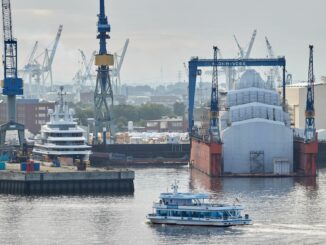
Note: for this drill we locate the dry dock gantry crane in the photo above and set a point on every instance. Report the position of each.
(214, 113)
(310, 129)
(195, 63)
(306, 148)
(103, 95)
(12, 85)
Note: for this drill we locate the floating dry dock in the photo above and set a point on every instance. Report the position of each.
(65, 180)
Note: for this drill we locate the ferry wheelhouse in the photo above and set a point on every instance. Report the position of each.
(61, 136)
(195, 209)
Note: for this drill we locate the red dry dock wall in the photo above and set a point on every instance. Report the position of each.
(206, 157)
(305, 156)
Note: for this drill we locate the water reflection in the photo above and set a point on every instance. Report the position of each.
(199, 180)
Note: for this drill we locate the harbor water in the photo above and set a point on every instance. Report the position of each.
(284, 211)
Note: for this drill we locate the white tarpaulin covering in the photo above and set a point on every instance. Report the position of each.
(255, 130)
(245, 139)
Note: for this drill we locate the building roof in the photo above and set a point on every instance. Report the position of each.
(303, 84)
(167, 120)
(184, 196)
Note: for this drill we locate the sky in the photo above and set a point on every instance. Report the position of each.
(166, 33)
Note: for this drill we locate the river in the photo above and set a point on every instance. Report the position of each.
(284, 211)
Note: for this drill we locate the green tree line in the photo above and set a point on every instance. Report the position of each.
(121, 114)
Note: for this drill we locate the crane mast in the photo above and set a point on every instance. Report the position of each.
(12, 85)
(310, 129)
(103, 95)
(214, 110)
(241, 52)
(48, 59)
(115, 72)
(251, 44)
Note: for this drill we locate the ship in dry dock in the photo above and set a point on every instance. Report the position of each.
(254, 133)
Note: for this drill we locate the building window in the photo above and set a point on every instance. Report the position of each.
(164, 125)
(176, 124)
(152, 124)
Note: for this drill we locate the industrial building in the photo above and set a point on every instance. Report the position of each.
(166, 125)
(296, 99)
(33, 113)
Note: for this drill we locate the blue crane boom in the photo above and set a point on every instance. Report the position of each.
(12, 85)
(103, 95)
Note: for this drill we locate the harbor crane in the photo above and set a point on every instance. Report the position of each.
(231, 74)
(115, 72)
(88, 76)
(39, 71)
(241, 51)
(84, 74)
(31, 68)
(246, 54)
(12, 85)
(214, 110)
(48, 59)
(310, 129)
(103, 95)
(275, 73)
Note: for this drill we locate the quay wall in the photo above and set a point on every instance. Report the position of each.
(44, 183)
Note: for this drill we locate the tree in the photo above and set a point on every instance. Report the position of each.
(153, 111)
(179, 108)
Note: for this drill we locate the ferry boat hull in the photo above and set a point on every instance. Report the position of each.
(197, 222)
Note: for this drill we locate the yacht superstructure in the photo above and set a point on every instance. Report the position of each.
(61, 136)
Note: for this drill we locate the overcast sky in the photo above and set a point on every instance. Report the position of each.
(165, 33)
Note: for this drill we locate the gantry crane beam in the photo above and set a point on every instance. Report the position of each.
(195, 63)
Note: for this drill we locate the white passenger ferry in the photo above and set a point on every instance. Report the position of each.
(194, 209)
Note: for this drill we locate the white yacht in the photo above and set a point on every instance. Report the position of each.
(61, 136)
(194, 209)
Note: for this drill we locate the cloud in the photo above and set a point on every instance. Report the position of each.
(36, 12)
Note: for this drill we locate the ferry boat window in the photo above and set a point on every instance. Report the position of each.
(195, 214)
(162, 212)
(184, 214)
(226, 214)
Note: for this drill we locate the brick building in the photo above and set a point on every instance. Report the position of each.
(33, 113)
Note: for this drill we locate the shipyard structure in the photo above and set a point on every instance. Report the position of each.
(252, 136)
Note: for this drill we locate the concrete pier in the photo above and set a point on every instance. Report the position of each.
(55, 181)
